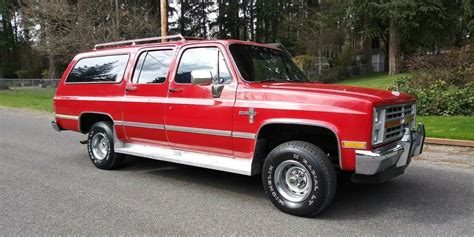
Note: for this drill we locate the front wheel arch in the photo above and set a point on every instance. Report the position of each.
(272, 134)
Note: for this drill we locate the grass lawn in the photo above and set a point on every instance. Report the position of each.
(39, 99)
(453, 127)
(376, 80)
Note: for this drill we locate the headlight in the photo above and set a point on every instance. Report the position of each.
(378, 126)
(413, 123)
(377, 116)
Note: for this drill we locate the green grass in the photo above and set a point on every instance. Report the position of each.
(377, 80)
(38, 99)
(453, 127)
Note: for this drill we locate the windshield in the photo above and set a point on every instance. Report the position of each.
(261, 64)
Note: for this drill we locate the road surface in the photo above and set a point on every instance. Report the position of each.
(49, 187)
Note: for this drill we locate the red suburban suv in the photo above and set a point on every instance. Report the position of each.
(235, 106)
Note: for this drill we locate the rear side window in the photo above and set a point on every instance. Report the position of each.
(153, 66)
(98, 69)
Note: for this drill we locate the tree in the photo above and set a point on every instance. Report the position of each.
(194, 18)
(9, 40)
(63, 28)
(404, 25)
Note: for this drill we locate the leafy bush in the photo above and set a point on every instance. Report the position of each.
(443, 83)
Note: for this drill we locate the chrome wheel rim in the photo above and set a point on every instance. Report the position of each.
(293, 181)
(100, 146)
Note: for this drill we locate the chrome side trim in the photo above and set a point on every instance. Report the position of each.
(244, 135)
(205, 131)
(140, 125)
(65, 116)
(222, 163)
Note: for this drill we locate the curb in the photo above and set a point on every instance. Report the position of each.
(448, 142)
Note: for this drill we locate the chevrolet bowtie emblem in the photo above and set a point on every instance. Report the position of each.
(251, 113)
(403, 121)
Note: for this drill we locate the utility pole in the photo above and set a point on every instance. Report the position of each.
(117, 20)
(164, 18)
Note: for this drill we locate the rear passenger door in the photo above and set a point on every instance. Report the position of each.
(143, 111)
(195, 118)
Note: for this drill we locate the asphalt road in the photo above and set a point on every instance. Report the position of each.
(48, 186)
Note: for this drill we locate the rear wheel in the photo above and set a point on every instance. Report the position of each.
(299, 179)
(100, 144)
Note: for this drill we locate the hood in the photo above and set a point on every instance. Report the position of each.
(377, 97)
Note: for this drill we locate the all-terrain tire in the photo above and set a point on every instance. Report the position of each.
(299, 179)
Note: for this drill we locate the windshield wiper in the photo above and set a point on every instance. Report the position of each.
(280, 81)
(270, 80)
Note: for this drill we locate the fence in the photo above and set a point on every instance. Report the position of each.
(35, 87)
(334, 74)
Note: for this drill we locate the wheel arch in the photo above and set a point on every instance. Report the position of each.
(311, 127)
(88, 118)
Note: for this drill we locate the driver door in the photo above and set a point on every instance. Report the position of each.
(195, 118)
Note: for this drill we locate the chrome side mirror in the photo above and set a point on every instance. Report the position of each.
(201, 77)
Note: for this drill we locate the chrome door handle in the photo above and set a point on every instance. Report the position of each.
(131, 88)
(175, 89)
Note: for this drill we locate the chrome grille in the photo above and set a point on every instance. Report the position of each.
(395, 117)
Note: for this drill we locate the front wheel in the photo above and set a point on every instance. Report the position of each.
(299, 179)
(100, 144)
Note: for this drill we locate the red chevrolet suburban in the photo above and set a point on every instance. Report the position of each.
(235, 106)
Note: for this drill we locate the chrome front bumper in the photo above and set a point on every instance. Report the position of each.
(394, 156)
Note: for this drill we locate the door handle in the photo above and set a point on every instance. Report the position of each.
(175, 89)
(131, 88)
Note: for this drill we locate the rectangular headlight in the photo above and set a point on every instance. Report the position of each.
(378, 126)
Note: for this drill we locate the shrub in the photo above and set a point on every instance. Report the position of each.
(443, 83)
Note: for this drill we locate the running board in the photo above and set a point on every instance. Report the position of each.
(222, 163)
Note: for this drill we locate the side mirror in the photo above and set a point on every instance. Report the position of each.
(201, 77)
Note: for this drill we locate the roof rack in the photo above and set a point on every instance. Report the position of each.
(144, 40)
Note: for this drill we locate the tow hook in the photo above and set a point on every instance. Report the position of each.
(83, 142)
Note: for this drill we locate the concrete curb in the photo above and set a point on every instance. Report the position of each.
(448, 142)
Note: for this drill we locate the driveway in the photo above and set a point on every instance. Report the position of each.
(48, 186)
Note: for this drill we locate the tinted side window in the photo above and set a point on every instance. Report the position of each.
(152, 67)
(99, 69)
(203, 59)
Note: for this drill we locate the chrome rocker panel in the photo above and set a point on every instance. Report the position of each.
(222, 163)
(396, 156)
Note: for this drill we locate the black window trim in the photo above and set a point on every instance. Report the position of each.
(203, 46)
(146, 50)
(99, 82)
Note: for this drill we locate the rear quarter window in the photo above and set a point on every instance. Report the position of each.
(102, 69)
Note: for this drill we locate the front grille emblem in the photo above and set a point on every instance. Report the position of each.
(403, 121)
